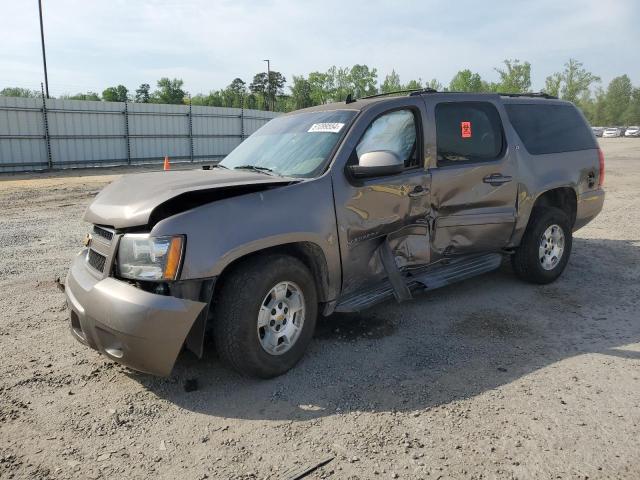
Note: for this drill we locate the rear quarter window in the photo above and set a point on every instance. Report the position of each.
(550, 128)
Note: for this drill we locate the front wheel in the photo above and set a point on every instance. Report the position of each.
(545, 247)
(265, 315)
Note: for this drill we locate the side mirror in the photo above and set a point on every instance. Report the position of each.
(377, 164)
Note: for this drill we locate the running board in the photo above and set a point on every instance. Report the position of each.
(436, 276)
(458, 270)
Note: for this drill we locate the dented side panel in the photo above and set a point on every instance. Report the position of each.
(469, 214)
(221, 232)
(371, 210)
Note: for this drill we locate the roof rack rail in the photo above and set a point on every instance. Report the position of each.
(420, 91)
(396, 92)
(529, 94)
(423, 90)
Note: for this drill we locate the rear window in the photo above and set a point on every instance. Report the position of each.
(468, 132)
(550, 128)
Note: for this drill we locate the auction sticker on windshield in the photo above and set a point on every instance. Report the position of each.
(326, 127)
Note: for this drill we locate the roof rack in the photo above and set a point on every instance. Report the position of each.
(529, 94)
(420, 91)
(423, 90)
(411, 92)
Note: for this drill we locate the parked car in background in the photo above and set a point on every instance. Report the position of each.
(611, 132)
(597, 131)
(632, 132)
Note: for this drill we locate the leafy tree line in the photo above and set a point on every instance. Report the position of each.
(617, 104)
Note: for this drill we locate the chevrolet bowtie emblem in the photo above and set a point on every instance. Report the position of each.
(87, 240)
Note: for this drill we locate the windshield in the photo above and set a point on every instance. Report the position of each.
(293, 145)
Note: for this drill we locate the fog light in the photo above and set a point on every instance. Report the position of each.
(161, 289)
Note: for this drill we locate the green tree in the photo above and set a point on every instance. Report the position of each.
(391, 83)
(169, 91)
(434, 84)
(552, 84)
(632, 113)
(413, 85)
(93, 96)
(269, 87)
(115, 94)
(301, 93)
(515, 77)
(19, 92)
(576, 80)
(143, 93)
(466, 81)
(213, 99)
(339, 83)
(320, 84)
(363, 80)
(237, 90)
(618, 98)
(599, 115)
(572, 82)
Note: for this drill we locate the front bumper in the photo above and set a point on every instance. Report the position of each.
(138, 329)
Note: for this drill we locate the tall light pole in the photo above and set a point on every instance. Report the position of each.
(44, 55)
(268, 83)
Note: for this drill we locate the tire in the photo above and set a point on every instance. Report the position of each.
(527, 261)
(237, 335)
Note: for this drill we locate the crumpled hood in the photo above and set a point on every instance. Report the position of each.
(130, 200)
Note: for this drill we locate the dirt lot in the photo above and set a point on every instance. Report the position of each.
(491, 378)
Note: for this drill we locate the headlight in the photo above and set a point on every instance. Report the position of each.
(142, 257)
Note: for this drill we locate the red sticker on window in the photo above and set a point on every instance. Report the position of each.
(465, 129)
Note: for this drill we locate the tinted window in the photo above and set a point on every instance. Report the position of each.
(550, 128)
(396, 132)
(468, 131)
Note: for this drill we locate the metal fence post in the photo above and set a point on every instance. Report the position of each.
(45, 122)
(190, 130)
(242, 119)
(126, 131)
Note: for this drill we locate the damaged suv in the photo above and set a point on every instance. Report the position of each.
(331, 209)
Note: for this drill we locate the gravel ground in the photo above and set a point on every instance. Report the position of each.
(490, 378)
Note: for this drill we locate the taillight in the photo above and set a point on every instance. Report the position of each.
(601, 161)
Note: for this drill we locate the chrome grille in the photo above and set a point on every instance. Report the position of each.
(96, 260)
(103, 233)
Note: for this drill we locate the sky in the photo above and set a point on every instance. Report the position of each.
(95, 44)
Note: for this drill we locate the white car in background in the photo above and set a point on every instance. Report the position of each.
(611, 132)
(632, 132)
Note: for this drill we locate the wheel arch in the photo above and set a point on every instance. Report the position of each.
(309, 253)
(564, 198)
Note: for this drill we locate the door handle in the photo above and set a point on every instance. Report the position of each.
(496, 179)
(418, 191)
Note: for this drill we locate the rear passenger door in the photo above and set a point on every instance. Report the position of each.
(474, 187)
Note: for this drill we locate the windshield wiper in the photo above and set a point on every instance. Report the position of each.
(256, 168)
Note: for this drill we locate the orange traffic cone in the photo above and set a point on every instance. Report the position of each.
(167, 165)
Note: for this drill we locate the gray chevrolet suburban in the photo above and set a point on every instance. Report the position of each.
(331, 209)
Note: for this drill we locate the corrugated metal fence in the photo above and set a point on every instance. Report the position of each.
(37, 134)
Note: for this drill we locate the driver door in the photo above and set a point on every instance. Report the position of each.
(393, 208)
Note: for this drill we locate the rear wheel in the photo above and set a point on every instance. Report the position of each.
(545, 247)
(265, 315)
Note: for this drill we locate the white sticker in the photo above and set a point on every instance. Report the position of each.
(326, 127)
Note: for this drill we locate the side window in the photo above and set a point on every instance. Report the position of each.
(468, 132)
(550, 128)
(396, 132)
